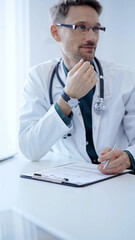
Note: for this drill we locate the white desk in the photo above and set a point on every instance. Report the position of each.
(104, 211)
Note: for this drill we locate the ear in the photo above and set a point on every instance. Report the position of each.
(55, 33)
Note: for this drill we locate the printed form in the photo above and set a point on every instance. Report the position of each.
(79, 174)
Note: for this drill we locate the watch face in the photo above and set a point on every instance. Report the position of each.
(73, 102)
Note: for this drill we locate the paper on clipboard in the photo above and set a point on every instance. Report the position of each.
(74, 174)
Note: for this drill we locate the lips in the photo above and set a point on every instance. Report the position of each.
(88, 49)
(88, 46)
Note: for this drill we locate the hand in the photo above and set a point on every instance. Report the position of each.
(80, 80)
(118, 161)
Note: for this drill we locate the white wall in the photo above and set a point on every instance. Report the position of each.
(117, 44)
(42, 46)
(14, 62)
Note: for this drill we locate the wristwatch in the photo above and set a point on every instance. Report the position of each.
(72, 102)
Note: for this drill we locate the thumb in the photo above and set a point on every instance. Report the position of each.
(76, 67)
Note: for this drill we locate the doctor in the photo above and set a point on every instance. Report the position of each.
(70, 125)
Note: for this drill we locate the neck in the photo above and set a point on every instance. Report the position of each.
(69, 63)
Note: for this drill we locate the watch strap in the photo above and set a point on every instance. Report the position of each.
(72, 102)
(65, 96)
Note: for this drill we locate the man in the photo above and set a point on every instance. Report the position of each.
(71, 126)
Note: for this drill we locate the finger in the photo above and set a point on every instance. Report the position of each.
(115, 170)
(92, 81)
(89, 80)
(88, 72)
(88, 68)
(112, 154)
(111, 171)
(116, 162)
(105, 150)
(120, 161)
(84, 68)
(76, 67)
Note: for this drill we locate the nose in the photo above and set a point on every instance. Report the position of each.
(91, 36)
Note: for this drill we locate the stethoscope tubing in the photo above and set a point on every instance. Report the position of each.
(101, 77)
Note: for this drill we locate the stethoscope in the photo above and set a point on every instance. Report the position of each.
(99, 106)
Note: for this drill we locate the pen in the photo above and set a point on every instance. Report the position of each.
(107, 161)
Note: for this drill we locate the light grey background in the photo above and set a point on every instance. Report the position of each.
(117, 44)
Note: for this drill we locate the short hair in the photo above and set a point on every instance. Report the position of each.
(59, 11)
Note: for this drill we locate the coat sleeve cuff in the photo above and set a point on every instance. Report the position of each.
(131, 159)
(66, 120)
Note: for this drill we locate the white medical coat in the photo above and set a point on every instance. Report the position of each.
(42, 129)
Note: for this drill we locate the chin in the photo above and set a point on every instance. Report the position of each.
(87, 57)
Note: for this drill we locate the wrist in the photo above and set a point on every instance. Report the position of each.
(71, 102)
(64, 107)
(131, 160)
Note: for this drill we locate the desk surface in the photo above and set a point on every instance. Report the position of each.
(101, 211)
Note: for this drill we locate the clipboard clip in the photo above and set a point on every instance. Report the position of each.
(53, 179)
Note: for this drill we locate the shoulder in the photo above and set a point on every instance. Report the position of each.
(44, 68)
(118, 72)
(40, 74)
(109, 66)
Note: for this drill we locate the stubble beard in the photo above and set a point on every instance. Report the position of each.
(86, 57)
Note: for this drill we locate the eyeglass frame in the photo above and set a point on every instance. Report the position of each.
(74, 26)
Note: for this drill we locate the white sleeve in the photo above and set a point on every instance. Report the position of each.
(40, 126)
(129, 121)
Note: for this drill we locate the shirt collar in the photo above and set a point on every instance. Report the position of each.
(65, 69)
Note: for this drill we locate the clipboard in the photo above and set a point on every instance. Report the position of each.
(78, 174)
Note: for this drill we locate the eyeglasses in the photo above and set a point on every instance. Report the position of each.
(82, 28)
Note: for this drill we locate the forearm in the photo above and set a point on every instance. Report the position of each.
(37, 139)
(64, 107)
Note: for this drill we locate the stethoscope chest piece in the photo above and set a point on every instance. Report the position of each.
(100, 106)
